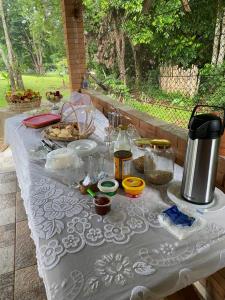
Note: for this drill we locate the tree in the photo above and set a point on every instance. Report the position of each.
(219, 37)
(36, 32)
(10, 60)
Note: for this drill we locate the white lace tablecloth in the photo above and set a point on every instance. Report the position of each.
(124, 255)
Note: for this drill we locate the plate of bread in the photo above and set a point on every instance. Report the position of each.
(66, 132)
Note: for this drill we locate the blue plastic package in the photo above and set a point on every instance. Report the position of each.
(177, 217)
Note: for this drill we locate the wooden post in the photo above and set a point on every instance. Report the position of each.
(74, 39)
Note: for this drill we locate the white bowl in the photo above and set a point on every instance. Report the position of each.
(83, 147)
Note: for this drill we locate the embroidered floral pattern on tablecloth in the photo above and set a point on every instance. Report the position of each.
(169, 254)
(112, 269)
(69, 220)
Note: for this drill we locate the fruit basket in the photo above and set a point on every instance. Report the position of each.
(54, 97)
(21, 101)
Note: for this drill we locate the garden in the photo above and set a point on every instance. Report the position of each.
(126, 52)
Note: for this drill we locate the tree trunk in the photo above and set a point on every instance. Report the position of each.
(222, 41)
(11, 56)
(137, 63)
(37, 49)
(147, 4)
(216, 37)
(120, 51)
(9, 69)
(186, 5)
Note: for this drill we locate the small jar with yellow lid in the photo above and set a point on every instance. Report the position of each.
(159, 162)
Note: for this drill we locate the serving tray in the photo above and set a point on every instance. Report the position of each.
(41, 120)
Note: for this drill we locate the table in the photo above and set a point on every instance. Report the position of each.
(124, 255)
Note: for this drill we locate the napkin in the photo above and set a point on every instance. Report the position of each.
(181, 222)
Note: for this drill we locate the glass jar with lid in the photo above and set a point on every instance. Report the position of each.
(159, 162)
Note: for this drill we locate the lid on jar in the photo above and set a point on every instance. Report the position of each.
(108, 185)
(160, 144)
(133, 183)
(123, 154)
(123, 127)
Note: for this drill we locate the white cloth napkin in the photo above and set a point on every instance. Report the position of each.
(179, 231)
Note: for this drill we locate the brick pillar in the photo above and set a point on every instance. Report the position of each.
(74, 40)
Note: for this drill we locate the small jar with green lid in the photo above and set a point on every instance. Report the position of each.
(159, 162)
(108, 186)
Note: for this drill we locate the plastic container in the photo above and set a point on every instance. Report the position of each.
(133, 186)
(108, 186)
(101, 202)
(62, 158)
(122, 161)
(102, 205)
(159, 162)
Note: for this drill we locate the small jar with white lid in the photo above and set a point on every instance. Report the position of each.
(159, 162)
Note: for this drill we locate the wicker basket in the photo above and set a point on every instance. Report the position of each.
(85, 135)
(24, 106)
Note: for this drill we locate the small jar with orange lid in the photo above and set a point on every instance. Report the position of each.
(159, 162)
(133, 186)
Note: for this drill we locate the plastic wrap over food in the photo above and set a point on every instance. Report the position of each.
(81, 111)
(62, 158)
(79, 99)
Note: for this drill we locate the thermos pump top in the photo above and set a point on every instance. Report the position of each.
(201, 158)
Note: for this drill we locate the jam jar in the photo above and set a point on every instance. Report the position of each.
(159, 162)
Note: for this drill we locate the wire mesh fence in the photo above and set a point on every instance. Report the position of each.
(163, 61)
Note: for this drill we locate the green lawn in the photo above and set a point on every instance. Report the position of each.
(173, 115)
(49, 82)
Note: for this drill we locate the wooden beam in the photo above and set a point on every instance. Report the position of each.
(72, 13)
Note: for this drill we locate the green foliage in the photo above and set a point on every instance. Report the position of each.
(154, 93)
(35, 27)
(117, 87)
(212, 85)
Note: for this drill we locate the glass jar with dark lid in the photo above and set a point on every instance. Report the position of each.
(159, 162)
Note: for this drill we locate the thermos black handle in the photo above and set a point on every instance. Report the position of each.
(212, 106)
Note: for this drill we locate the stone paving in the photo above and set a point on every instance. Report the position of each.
(19, 278)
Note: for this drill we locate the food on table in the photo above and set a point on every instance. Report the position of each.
(159, 162)
(83, 188)
(26, 96)
(63, 131)
(159, 176)
(61, 159)
(142, 142)
(108, 186)
(122, 160)
(133, 186)
(102, 205)
(54, 97)
(139, 164)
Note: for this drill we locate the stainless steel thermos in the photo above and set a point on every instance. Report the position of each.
(200, 165)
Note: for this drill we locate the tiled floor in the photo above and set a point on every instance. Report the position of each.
(19, 278)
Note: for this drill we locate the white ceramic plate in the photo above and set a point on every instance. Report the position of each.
(174, 195)
(83, 147)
